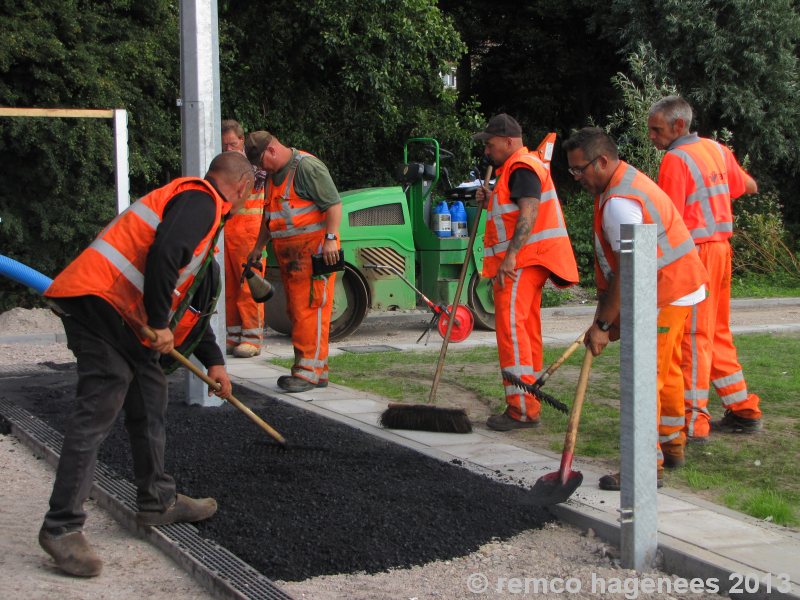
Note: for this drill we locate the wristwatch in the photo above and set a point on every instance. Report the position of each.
(603, 325)
(330, 236)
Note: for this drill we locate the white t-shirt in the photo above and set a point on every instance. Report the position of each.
(624, 210)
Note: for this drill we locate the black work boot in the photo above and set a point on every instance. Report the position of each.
(733, 423)
(505, 422)
(183, 510)
(72, 552)
(674, 456)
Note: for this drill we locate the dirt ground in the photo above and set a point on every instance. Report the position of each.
(548, 563)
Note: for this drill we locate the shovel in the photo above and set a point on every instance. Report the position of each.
(558, 486)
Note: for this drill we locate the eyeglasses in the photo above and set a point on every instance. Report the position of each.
(578, 171)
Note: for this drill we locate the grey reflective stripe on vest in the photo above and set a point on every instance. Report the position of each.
(503, 241)
(602, 260)
(625, 189)
(703, 193)
(116, 258)
(287, 213)
(126, 268)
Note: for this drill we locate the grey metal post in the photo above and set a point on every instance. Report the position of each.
(200, 128)
(121, 169)
(638, 318)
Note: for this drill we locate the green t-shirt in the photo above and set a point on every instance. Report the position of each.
(312, 181)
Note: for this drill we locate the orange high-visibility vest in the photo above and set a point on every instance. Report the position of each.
(702, 176)
(113, 265)
(289, 214)
(680, 271)
(548, 244)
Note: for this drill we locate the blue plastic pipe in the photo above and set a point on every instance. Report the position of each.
(24, 275)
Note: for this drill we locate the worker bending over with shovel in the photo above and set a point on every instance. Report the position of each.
(141, 271)
(525, 244)
(625, 195)
(302, 215)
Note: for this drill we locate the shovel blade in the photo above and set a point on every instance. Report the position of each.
(549, 489)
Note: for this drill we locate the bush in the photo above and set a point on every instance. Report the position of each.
(760, 242)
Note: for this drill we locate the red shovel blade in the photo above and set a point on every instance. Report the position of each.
(462, 326)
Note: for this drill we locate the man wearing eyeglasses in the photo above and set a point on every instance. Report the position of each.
(301, 217)
(244, 317)
(625, 195)
(525, 244)
(703, 177)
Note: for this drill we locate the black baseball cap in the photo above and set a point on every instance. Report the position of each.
(502, 125)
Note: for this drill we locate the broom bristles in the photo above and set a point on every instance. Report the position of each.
(421, 417)
(536, 391)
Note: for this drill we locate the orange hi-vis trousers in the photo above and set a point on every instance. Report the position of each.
(709, 355)
(309, 302)
(244, 317)
(517, 309)
(669, 379)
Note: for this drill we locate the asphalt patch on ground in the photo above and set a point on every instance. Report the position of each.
(335, 501)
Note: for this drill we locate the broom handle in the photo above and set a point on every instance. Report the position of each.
(575, 413)
(472, 233)
(151, 335)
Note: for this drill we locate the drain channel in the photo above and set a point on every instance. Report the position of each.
(221, 572)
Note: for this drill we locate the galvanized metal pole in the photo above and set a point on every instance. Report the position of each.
(638, 317)
(200, 128)
(121, 169)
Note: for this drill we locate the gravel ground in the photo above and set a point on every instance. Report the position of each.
(545, 561)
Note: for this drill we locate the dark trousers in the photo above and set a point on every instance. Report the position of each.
(111, 377)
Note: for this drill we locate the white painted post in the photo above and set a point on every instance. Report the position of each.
(200, 131)
(638, 318)
(121, 169)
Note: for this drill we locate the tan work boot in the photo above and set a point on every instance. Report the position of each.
(674, 456)
(183, 510)
(72, 553)
(245, 350)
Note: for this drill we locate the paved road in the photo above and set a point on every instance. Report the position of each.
(560, 326)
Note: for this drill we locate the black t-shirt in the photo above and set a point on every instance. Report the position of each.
(524, 183)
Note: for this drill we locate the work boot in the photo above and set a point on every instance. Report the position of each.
(505, 422)
(613, 481)
(295, 385)
(733, 423)
(246, 350)
(72, 552)
(183, 510)
(674, 456)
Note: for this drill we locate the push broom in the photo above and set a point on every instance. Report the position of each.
(426, 417)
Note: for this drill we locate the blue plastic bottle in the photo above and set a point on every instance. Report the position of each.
(458, 219)
(441, 220)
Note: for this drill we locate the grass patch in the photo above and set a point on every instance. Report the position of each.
(755, 474)
(757, 285)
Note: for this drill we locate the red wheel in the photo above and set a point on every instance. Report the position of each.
(462, 326)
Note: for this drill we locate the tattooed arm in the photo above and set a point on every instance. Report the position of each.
(528, 209)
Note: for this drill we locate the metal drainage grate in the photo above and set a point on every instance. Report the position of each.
(223, 573)
(369, 349)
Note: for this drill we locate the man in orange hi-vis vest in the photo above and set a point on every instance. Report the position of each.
(244, 317)
(151, 266)
(525, 244)
(702, 177)
(625, 195)
(301, 217)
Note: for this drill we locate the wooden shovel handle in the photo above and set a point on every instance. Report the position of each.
(151, 335)
(577, 405)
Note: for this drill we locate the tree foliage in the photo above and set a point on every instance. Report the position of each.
(57, 184)
(345, 80)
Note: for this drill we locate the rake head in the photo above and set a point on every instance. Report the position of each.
(536, 391)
